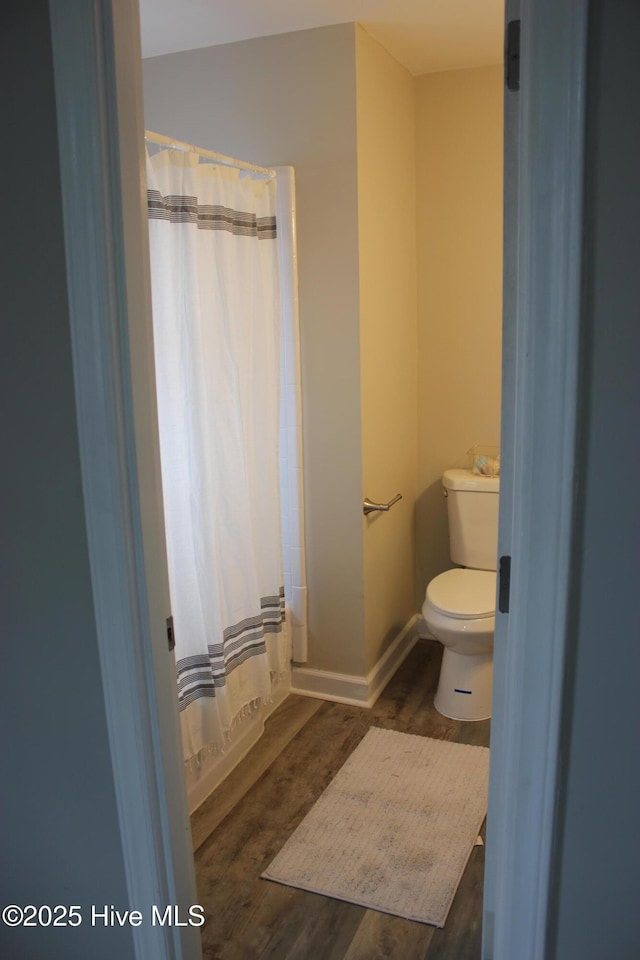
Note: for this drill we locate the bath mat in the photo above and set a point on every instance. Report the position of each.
(394, 829)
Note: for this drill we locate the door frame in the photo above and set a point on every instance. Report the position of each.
(98, 87)
(541, 342)
(97, 63)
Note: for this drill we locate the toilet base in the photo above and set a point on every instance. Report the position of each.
(465, 686)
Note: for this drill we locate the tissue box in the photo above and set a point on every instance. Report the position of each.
(484, 459)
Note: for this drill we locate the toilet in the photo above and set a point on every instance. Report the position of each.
(459, 606)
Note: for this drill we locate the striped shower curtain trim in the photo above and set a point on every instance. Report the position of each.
(198, 676)
(186, 209)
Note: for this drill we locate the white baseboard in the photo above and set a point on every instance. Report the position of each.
(213, 769)
(325, 685)
(379, 677)
(356, 690)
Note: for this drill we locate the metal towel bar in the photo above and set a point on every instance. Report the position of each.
(368, 506)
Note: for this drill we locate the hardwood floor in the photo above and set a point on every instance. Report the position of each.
(241, 827)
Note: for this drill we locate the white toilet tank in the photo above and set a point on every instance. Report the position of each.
(472, 507)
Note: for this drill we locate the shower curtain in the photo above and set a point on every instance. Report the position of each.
(216, 316)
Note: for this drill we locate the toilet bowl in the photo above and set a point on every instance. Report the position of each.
(459, 610)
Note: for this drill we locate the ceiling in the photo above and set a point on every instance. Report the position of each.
(425, 36)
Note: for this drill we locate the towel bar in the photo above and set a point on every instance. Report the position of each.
(368, 506)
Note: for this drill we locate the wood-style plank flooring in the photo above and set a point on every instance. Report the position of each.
(241, 827)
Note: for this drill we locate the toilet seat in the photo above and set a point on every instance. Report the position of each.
(463, 594)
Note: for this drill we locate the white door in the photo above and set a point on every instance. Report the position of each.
(544, 129)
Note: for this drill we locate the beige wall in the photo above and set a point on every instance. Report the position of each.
(459, 182)
(291, 99)
(388, 336)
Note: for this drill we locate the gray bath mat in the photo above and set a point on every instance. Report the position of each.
(394, 829)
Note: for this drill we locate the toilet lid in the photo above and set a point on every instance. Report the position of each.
(464, 594)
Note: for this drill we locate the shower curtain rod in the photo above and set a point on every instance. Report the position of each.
(218, 157)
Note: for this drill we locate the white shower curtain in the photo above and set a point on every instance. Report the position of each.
(216, 315)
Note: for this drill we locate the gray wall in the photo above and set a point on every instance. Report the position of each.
(60, 833)
(291, 99)
(599, 843)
